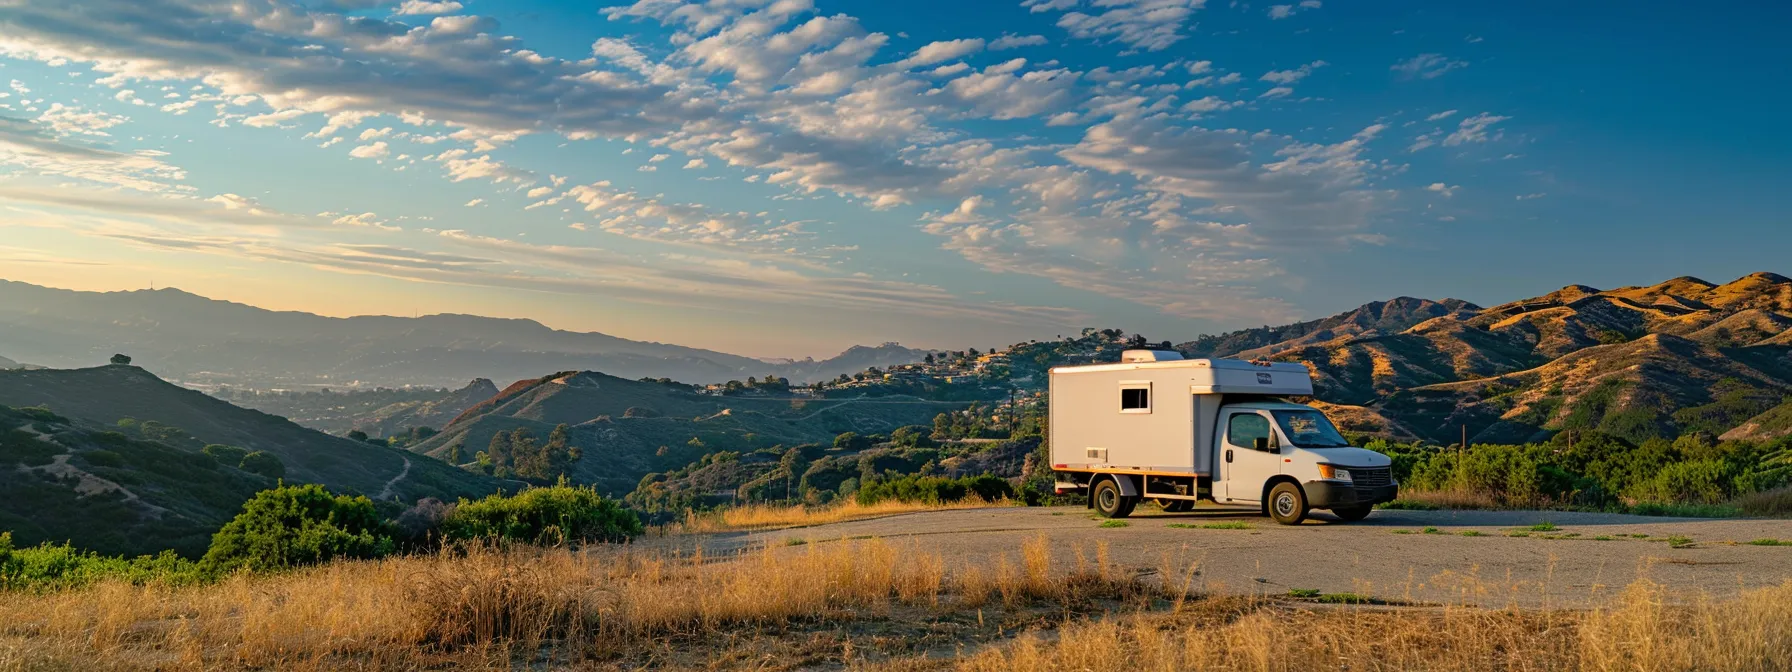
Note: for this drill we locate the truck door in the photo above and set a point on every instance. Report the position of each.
(1243, 468)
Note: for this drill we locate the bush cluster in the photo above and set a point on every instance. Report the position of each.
(935, 489)
(1588, 468)
(297, 525)
(553, 515)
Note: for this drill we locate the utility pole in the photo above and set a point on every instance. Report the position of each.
(1012, 410)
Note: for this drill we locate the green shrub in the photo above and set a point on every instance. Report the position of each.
(295, 525)
(260, 462)
(935, 489)
(550, 515)
(226, 454)
(48, 567)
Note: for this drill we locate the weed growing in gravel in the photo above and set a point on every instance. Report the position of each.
(1602, 538)
(1473, 533)
(1518, 534)
(793, 541)
(1771, 542)
(1402, 531)
(1233, 525)
(1114, 523)
(1544, 527)
(1431, 530)
(1303, 592)
(1677, 541)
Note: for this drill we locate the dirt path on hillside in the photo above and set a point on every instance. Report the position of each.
(386, 492)
(1445, 557)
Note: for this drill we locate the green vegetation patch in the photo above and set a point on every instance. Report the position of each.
(1114, 523)
(1771, 542)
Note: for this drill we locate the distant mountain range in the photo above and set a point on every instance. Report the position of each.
(202, 341)
(1681, 356)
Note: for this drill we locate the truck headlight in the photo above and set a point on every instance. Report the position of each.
(1331, 473)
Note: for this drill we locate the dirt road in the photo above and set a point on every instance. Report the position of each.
(1467, 557)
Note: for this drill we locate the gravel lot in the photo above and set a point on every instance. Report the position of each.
(1469, 557)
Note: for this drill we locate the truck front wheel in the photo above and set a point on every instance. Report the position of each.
(1287, 504)
(1108, 500)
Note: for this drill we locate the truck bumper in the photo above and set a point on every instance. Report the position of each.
(1330, 494)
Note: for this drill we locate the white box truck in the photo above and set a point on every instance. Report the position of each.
(1159, 427)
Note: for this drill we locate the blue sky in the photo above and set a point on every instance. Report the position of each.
(789, 177)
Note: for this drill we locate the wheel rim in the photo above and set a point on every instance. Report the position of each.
(1285, 504)
(1108, 499)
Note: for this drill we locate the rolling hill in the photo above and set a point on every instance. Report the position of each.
(202, 341)
(97, 399)
(1682, 355)
(629, 428)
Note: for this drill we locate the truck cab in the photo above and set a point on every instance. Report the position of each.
(1289, 459)
(1158, 427)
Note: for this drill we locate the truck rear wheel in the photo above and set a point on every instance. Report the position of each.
(1353, 513)
(1109, 501)
(1287, 504)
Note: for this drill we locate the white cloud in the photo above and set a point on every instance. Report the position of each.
(1277, 92)
(695, 164)
(539, 192)
(273, 119)
(1474, 130)
(425, 7)
(1446, 190)
(1209, 104)
(1427, 66)
(1527, 197)
(1149, 25)
(1446, 114)
(36, 149)
(475, 202)
(1277, 12)
(938, 52)
(377, 150)
(65, 120)
(1286, 77)
(462, 166)
(1011, 41)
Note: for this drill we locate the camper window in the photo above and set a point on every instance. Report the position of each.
(1135, 397)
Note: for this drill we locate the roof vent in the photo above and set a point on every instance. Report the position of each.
(1136, 356)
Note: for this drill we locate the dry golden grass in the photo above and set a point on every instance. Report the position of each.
(485, 607)
(1641, 633)
(1772, 503)
(867, 603)
(770, 516)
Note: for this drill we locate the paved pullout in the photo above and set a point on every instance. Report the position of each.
(1467, 558)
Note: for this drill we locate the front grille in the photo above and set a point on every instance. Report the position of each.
(1371, 478)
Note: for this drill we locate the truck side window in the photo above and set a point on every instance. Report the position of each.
(1135, 399)
(1245, 428)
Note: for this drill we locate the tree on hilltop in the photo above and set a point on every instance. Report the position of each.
(121, 360)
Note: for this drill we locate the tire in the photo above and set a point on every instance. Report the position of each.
(1352, 514)
(1108, 501)
(1287, 504)
(1176, 505)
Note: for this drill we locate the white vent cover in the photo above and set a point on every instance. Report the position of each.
(1097, 454)
(1135, 356)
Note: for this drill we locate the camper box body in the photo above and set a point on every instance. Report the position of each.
(1154, 413)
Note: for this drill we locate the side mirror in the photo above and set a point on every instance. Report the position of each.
(1260, 443)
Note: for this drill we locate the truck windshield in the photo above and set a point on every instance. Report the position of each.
(1310, 429)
